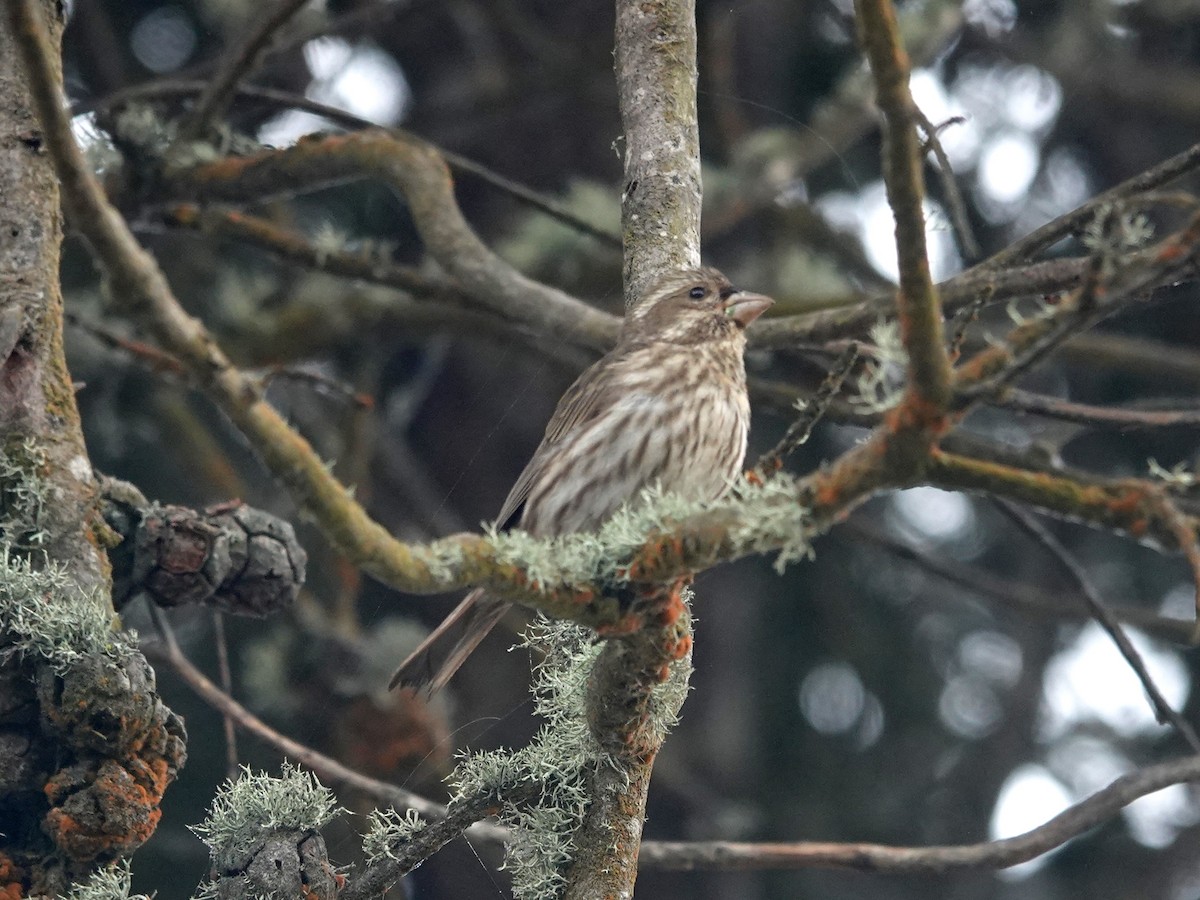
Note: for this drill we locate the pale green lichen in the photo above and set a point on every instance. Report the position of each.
(388, 828)
(1177, 476)
(879, 386)
(255, 804)
(24, 494)
(444, 559)
(44, 613)
(111, 883)
(1114, 230)
(764, 517)
(559, 757)
(328, 240)
(772, 518)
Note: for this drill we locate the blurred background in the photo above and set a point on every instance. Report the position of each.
(888, 690)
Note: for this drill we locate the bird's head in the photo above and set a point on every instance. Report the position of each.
(693, 306)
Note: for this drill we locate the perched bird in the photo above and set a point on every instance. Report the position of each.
(666, 405)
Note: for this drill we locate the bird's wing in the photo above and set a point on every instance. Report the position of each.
(578, 405)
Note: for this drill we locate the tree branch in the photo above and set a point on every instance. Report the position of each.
(918, 307)
(234, 66)
(1072, 822)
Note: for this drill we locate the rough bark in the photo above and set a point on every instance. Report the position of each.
(86, 748)
(656, 82)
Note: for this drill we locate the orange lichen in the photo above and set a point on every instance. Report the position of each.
(11, 879)
(108, 814)
(627, 624)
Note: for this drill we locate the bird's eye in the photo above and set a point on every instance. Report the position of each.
(697, 293)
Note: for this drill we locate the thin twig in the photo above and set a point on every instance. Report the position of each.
(963, 320)
(1091, 596)
(404, 856)
(953, 196)
(1124, 505)
(1071, 223)
(994, 368)
(520, 192)
(1072, 822)
(234, 66)
(223, 672)
(320, 382)
(814, 409)
(153, 358)
(1023, 598)
(1120, 418)
(327, 768)
(1184, 529)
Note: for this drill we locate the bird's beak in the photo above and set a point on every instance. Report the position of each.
(744, 307)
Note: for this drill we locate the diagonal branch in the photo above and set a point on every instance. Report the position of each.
(1101, 613)
(1072, 822)
(417, 171)
(236, 65)
(534, 199)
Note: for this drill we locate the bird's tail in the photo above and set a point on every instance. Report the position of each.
(438, 657)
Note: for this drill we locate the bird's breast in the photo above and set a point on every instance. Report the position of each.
(680, 420)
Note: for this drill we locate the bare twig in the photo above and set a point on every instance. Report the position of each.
(1119, 418)
(326, 768)
(234, 66)
(461, 818)
(1185, 531)
(814, 408)
(417, 171)
(226, 676)
(963, 320)
(1175, 363)
(1026, 599)
(318, 381)
(854, 318)
(151, 357)
(1105, 289)
(1072, 822)
(1129, 506)
(1071, 223)
(953, 196)
(523, 193)
(1100, 612)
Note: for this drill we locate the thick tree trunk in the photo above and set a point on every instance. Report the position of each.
(86, 749)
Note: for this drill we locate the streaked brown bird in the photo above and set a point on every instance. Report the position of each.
(666, 405)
